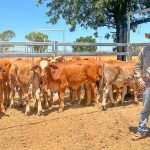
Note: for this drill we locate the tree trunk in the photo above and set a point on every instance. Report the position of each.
(121, 33)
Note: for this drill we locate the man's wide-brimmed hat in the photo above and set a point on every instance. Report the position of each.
(147, 35)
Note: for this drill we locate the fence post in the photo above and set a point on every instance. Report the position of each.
(55, 48)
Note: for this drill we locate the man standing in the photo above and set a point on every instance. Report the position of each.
(142, 73)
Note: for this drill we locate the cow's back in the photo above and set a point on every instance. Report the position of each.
(20, 70)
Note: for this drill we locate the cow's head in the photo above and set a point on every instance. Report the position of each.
(41, 68)
(2, 69)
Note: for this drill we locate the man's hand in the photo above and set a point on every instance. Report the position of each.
(142, 85)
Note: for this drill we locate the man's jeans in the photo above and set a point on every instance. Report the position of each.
(144, 114)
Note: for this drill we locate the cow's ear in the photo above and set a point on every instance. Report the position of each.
(2, 69)
(34, 67)
(53, 66)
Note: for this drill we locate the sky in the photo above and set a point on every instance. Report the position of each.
(23, 16)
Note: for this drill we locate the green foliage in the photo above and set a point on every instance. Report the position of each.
(6, 35)
(37, 37)
(87, 39)
(97, 13)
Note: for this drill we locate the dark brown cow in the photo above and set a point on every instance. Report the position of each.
(60, 75)
(121, 74)
(22, 77)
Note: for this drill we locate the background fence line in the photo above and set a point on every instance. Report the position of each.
(55, 49)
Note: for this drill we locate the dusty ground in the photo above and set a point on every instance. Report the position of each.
(77, 128)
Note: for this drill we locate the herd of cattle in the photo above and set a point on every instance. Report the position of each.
(46, 76)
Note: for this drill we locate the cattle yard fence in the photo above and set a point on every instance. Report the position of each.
(55, 49)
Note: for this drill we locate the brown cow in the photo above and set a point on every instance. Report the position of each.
(2, 108)
(22, 77)
(4, 83)
(121, 74)
(60, 75)
(6, 65)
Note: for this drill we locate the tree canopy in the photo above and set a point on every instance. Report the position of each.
(38, 37)
(98, 13)
(6, 35)
(88, 39)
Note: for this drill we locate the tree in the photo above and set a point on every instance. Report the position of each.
(38, 37)
(6, 36)
(87, 39)
(99, 13)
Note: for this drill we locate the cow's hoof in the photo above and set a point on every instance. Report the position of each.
(104, 108)
(11, 106)
(97, 105)
(114, 104)
(60, 110)
(26, 113)
(122, 103)
(88, 104)
(137, 102)
(41, 112)
(119, 103)
(3, 113)
(73, 102)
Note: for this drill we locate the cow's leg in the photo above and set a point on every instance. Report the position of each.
(79, 95)
(45, 96)
(61, 98)
(119, 95)
(12, 95)
(105, 95)
(124, 92)
(20, 97)
(8, 94)
(88, 93)
(71, 95)
(2, 108)
(49, 98)
(94, 90)
(135, 90)
(5, 93)
(111, 96)
(74, 96)
(27, 99)
(37, 93)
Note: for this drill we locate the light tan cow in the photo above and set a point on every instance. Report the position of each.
(22, 77)
(121, 74)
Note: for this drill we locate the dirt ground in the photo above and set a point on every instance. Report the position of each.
(77, 128)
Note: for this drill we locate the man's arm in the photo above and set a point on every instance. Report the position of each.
(138, 71)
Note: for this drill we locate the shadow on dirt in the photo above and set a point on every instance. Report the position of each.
(134, 130)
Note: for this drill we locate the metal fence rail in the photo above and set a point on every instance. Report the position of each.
(55, 52)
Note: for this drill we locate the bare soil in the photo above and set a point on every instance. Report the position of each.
(77, 128)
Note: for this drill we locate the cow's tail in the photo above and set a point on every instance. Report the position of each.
(101, 80)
